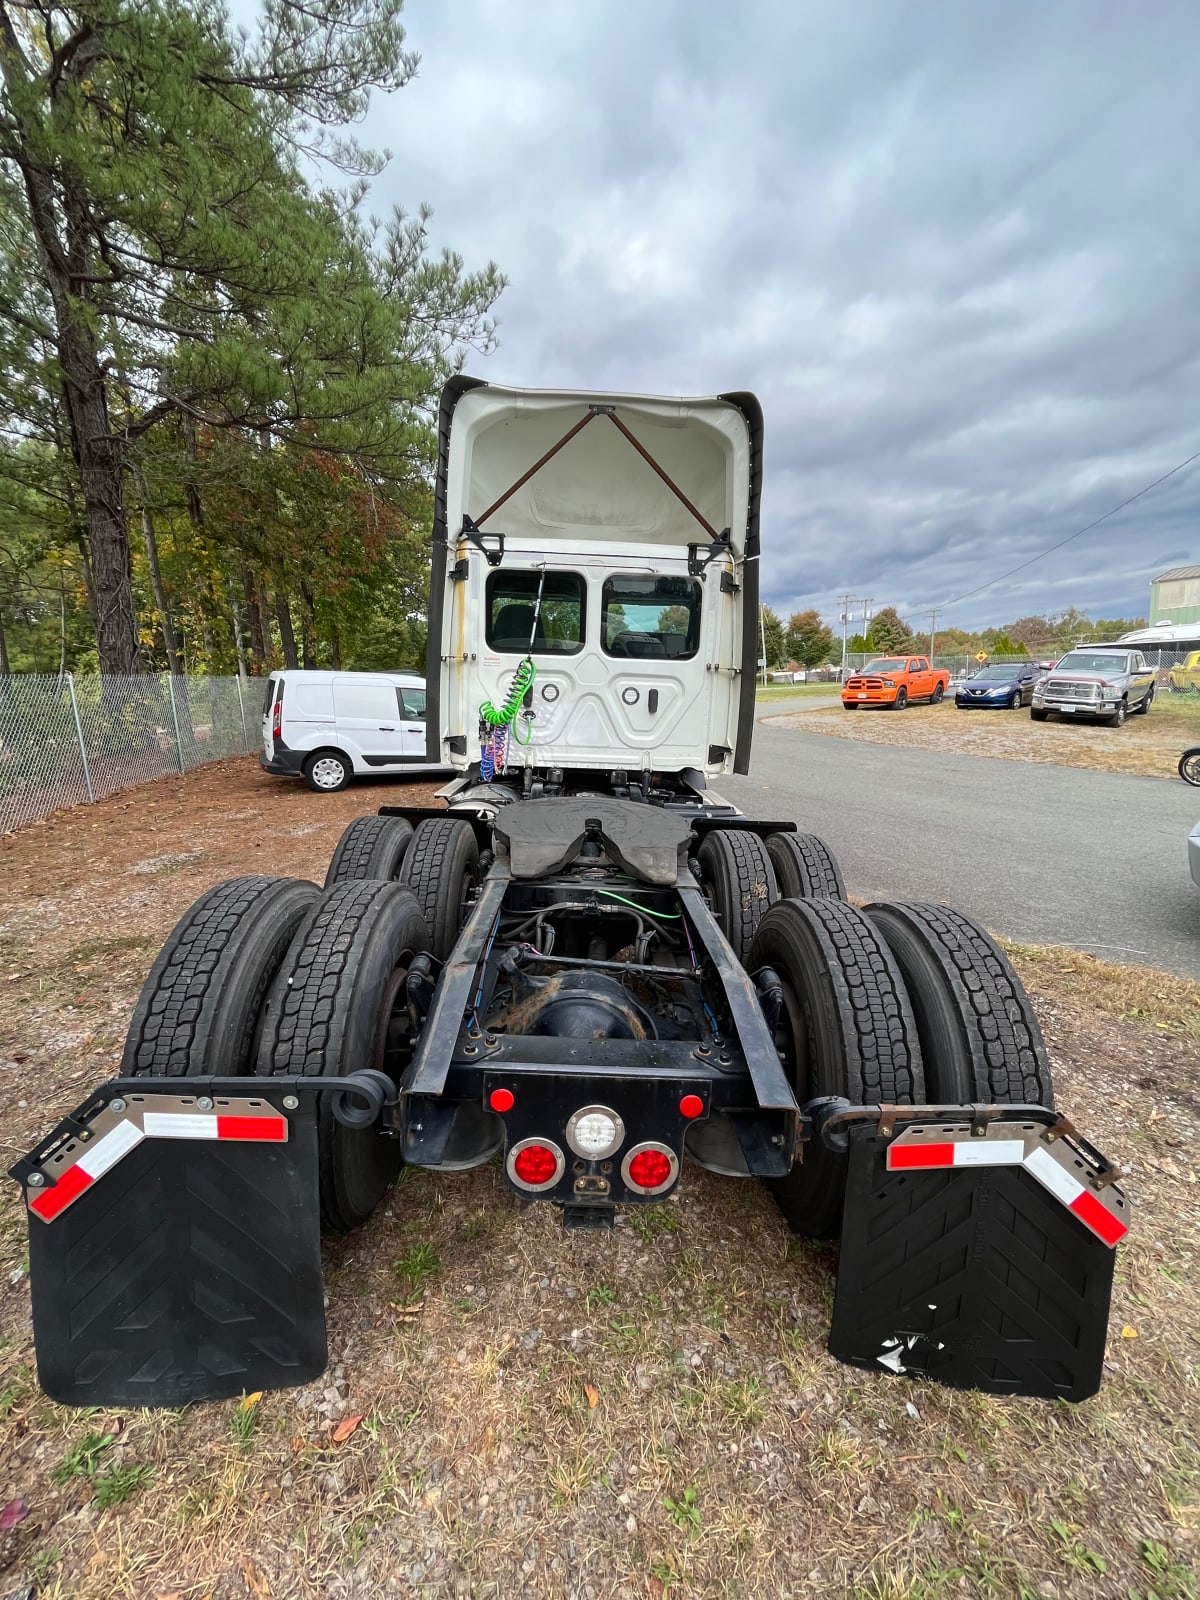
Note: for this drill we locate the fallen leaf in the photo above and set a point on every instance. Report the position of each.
(15, 1511)
(1129, 1333)
(656, 1588)
(593, 1396)
(299, 1442)
(249, 1401)
(255, 1582)
(345, 1428)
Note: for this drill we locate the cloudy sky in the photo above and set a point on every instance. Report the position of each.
(953, 247)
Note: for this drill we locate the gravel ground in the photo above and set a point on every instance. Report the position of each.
(1149, 745)
(511, 1411)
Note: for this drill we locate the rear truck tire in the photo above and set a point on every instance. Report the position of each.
(845, 1028)
(371, 847)
(901, 700)
(939, 694)
(1189, 767)
(199, 1009)
(980, 1040)
(738, 882)
(441, 867)
(1146, 703)
(1117, 720)
(327, 771)
(332, 1009)
(805, 867)
(1037, 716)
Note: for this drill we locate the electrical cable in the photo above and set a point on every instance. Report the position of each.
(1050, 549)
(611, 894)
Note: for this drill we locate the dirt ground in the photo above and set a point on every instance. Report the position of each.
(511, 1411)
(1148, 745)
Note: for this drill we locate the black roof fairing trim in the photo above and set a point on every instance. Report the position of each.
(452, 393)
(750, 408)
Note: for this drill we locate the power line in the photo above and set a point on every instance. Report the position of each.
(1050, 549)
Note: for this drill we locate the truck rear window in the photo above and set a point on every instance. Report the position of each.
(651, 617)
(512, 607)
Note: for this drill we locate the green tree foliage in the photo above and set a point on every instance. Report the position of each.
(182, 307)
(809, 641)
(772, 635)
(887, 631)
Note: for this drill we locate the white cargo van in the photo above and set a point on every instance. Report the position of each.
(328, 726)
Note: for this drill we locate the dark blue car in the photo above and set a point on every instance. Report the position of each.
(1004, 684)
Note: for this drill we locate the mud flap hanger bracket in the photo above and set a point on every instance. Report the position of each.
(831, 1118)
(359, 1100)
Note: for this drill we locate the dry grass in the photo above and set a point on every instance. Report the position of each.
(1132, 993)
(1148, 746)
(646, 1414)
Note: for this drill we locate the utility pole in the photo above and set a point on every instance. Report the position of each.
(847, 601)
(762, 638)
(933, 611)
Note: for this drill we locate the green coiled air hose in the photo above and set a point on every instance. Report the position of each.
(507, 714)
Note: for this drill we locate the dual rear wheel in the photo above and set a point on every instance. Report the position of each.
(895, 1004)
(275, 977)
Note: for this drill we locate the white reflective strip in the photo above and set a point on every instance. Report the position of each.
(106, 1152)
(178, 1125)
(990, 1153)
(1053, 1177)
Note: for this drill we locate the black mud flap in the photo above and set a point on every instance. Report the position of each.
(977, 1253)
(174, 1249)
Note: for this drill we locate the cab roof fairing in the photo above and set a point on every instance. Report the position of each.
(596, 490)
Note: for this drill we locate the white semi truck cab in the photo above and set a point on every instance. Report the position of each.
(595, 575)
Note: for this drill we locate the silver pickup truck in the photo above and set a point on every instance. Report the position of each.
(1103, 682)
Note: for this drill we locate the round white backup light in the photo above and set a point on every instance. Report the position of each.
(595, 1132)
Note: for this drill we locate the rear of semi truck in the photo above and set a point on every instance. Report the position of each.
(583, 966)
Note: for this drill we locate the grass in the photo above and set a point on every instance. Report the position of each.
(786, 691)
(114, 1488)
(725, 1453)
(83, 1457)
(1135, 994)
(1147, 746)
(417, 1264)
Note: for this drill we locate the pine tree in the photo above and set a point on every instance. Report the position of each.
(150, 179)
(773, 638)
(888, 632)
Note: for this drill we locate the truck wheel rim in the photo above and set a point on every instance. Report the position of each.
(791, 1040)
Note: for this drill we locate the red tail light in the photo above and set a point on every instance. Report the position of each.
(650, 1168)
(277, 715)
(535, 1164)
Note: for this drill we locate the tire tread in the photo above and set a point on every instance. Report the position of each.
(171, 1031)
(1008, 1059)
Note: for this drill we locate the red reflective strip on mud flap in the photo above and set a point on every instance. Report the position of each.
(1039, 1163)
(49, 1202)
(119, 1141)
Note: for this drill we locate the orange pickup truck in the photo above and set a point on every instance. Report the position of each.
(894, 681)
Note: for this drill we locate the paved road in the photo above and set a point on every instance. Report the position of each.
(1047, 855)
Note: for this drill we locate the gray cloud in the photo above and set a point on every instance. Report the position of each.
(952, 248)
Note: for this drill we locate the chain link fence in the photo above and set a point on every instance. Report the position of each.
(66, 740)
